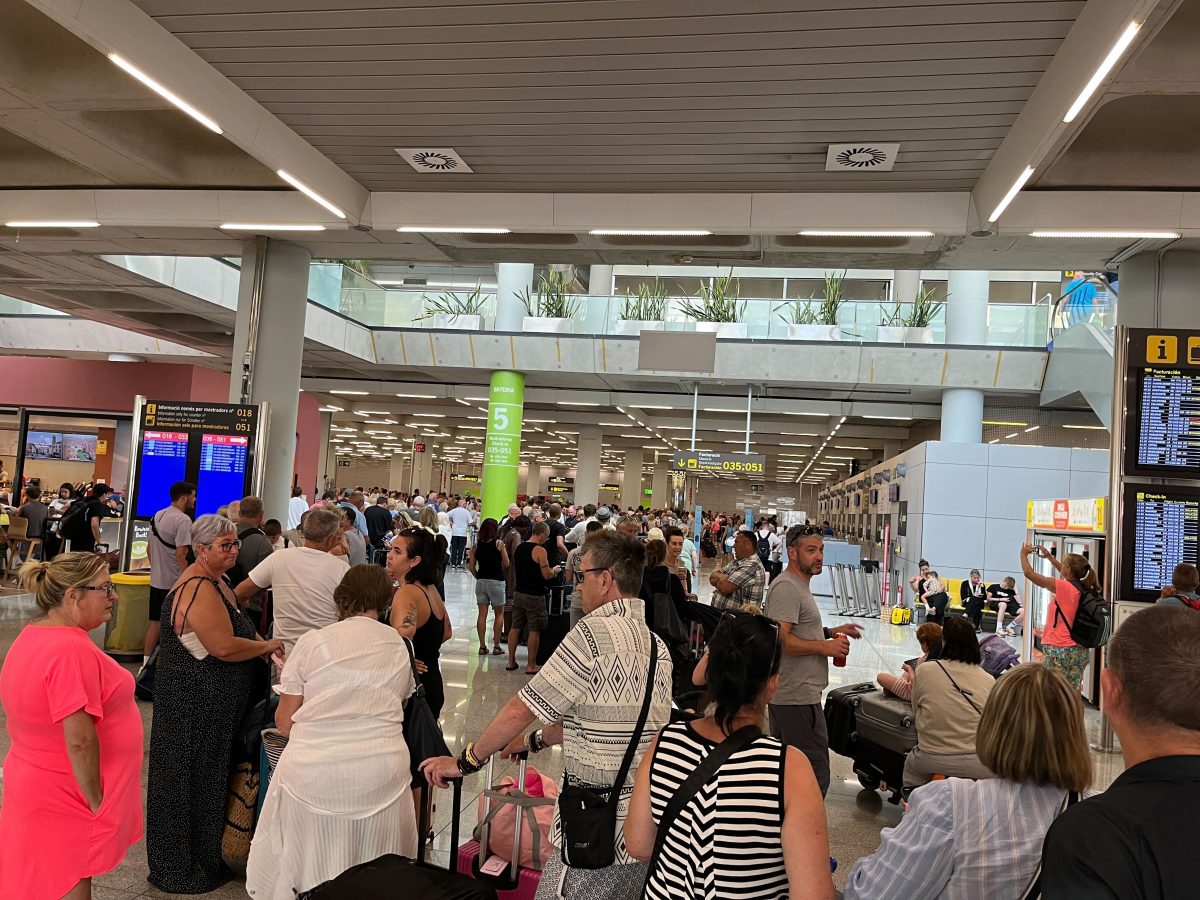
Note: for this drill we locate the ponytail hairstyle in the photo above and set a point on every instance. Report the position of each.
(742, 657)
(1081, 571)
(50, 581)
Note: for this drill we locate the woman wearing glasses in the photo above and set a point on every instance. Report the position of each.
(205, 664)
(72, 779)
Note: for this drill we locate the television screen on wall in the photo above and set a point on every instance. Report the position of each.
(79, 447)
(894, 493)
(43, 445)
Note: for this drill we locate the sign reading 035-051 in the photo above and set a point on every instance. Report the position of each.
(713, 461)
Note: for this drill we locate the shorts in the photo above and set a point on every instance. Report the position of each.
(1069, 661)
(489, 592)
(157, 596)
(529, 610)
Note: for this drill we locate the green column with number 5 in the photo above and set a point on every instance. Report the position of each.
(502, 447)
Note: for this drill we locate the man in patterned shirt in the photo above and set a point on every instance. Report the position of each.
(742, 581)
(588, 695)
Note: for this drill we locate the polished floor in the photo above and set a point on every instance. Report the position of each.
(478, 686)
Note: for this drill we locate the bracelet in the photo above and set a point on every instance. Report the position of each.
(467, 763)
(534, 742)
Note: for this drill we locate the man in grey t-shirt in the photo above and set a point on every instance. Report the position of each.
(796, 715)
(170, 540)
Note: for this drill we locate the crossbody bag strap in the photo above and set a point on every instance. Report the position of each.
(419, 690)
(159, 537)
(627, 760)
(1033, 890)
(965, 695)
(700, 776)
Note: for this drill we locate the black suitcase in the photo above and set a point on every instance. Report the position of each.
(879, 768)
(841, 706)
(887, 722)
(558, 605)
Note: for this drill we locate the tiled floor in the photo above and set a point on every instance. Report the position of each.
(476, 688)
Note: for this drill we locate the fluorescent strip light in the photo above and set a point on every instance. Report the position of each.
(843, 447)
(1087, 427)
(575, 403)
(331, 409)
(1009, 437)
(370, 412)
(648, 406)
(1002, 422)
(349, 393)
(250, 226)
(451, 229)
(172, 98)
(1123, 235)
(1034, 428)
(430, 415)
(1012, 192)
(419, 396)
(649, 232)
(891, 418)
(866, 232)
(1102, 70)
(309, 192)
(20, 223)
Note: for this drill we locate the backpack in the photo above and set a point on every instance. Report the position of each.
(998, 656)
(74, 520)
(237, 574)
(764, 548)
(1092, 625)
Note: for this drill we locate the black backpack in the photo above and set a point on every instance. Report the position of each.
(74, 521)
(236, 574)
(1093, 619)
(764, 548)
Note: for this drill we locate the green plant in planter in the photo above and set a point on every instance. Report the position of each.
(825, 312)
(649, 304)
(718, 301)
(450, 303)
(550, 300)
(920, 314)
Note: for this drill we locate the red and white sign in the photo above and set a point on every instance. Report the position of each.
(233, 439)
(165, 436)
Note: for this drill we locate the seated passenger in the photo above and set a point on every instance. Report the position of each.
(1185, 581)
(972, 593)
(935, 598)
(963, 838)
(1004, 598)
(929, 636)
(340, 793)
(948, 698)
(761, 810)
(1137, 839)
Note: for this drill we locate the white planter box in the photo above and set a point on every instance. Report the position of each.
(899, 334)
(724, 329)
(814, 333)
(546, 325)
(637, 326)
(459, 323)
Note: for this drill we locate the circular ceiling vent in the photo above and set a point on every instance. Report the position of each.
(434, 161)
(862, 157)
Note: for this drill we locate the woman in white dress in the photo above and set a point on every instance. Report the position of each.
(340, 795)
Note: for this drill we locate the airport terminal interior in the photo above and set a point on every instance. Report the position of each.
(909, 286)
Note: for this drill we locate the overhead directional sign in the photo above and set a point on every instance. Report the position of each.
(713, 461)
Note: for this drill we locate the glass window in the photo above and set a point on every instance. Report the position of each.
(937, 289)
(762, 288)
(1043, 288)
(1010, 292)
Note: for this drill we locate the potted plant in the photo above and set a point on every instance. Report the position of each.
(914, 327)
(453, 309)
(645, 310)
(717, 308)
(809, 320)
(549, 308)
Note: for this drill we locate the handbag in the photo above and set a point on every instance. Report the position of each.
(241, 804)
(421, 730)
(587, 816)
(1033, 890)
(720, 754)
(143, 685)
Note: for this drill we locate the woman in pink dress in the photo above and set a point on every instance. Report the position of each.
(72, 779)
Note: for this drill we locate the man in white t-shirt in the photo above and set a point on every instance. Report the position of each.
(297, 507)
(302, 579)
(460, 521)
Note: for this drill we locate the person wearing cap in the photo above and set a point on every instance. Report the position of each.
(86, 535)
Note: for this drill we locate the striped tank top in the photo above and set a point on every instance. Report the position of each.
(726, 842)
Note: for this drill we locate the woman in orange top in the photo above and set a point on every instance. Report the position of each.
(1058, 650)
(72, 779)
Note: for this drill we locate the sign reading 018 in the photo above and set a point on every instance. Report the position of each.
(712, 461)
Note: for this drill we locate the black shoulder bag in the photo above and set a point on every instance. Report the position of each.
(422, 732)
(589, 817)
(720, 754)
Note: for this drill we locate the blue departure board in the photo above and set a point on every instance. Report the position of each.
(222, 476)
(164, 462)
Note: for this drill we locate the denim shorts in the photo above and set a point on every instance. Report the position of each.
(489, 592)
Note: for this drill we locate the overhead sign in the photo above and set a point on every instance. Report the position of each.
(561, 479)
(1066, 514)
(558, 489)
(610, 487)
(418, 448)
(463, 476)
(757, 488)
(713, 461)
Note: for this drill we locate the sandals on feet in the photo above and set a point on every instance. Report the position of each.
(496, 651)
(512, 667)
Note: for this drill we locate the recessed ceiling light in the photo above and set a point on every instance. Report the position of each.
(263, 226)
(575, 403)
(1012, 192)
(893, 418)
(1034, 428)
(1102, 70)
(309, 192)
(649, 406)
(430, 415)
(1102, 234)
(1088, 427)
(165, 92)
(348, 393)
(866, 232)
(330, 409)
(1002, 422)
(649, 232)
(46, 223)
(370, 412)
(451, 229)
(419, 396)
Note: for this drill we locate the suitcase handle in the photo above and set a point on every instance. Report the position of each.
(486, 827)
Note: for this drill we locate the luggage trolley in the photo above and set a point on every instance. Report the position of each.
(862, 593)
(870, 569)
(837, 586)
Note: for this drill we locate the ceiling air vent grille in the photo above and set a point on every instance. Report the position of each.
(862, 157)
(437, 160)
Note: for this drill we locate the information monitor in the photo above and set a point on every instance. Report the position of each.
(1161, 530)
(164, 462)
(1166, 431)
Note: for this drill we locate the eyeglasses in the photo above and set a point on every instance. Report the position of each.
(226, 546)
(583, 572)
(108, 587)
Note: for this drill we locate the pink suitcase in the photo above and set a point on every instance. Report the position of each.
(525, 885)
(527, 882)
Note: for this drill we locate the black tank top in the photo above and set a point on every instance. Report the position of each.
(427, 640)
(487, 561)
(529, 573)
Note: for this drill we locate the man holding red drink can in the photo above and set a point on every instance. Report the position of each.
(796, 715)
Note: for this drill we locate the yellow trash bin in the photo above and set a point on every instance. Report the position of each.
(125, 635)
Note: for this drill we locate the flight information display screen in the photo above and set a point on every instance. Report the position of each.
(1162, 530)
(1168, 422)
(222, 471)
(164, 462)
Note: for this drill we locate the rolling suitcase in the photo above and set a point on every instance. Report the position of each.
(558, 605)
(887, 722)
(901, 616)
(841, 707)
(512, 881)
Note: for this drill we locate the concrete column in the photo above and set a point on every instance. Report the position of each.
(905, 284)
(533, 479)
(600, 280)
(422, 469)
(512, 279)
(1159, 291)
(587, 467)
(660, 484)
(326, 460)
(400, 474)
(276, 358)
(966, 325)
(631, 480)
(891, 449)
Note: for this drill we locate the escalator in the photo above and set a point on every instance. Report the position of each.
(1079, 374)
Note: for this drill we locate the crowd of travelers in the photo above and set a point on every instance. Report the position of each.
(323, 626)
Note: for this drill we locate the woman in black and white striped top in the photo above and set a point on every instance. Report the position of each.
(756, 829)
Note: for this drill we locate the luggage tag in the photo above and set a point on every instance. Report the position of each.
(494, 866)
